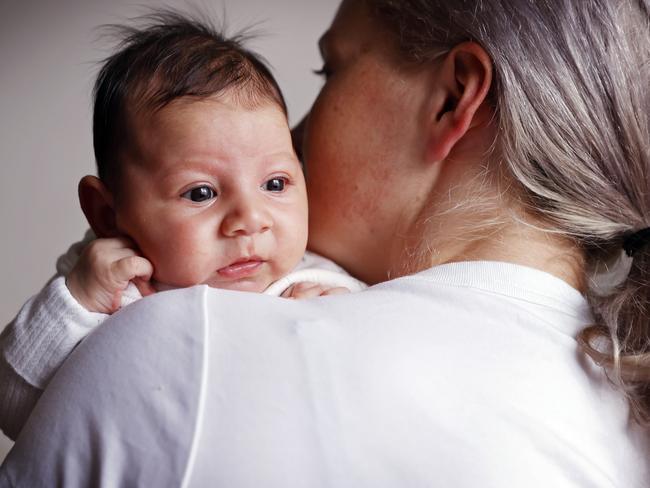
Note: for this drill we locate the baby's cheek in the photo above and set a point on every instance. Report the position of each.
(292, 252)
(178, 261)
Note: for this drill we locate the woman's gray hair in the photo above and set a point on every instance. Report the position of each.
(572, 101)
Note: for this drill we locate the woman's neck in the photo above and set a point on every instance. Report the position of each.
(525, 245)
(466, 224)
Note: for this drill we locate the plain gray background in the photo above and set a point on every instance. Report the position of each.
(49, 54)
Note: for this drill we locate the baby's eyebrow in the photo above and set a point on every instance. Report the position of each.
(189, 167)
(280, 157)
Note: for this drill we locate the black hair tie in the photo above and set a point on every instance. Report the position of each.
(636, 241)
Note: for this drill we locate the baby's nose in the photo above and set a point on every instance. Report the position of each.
(246, 218)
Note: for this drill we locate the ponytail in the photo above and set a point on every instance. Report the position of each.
(620, 342)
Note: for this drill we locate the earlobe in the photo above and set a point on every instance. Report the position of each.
(98, 205)
(464, 81)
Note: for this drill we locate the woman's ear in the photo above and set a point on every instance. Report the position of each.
(98, 206)
(462, 85)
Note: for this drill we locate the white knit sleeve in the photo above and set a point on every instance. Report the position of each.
(66, 262)
(17, 400)
(37, 341)
(45, 331)
(314, 268)
(35, 344)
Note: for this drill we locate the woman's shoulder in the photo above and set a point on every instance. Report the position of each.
(247, 389)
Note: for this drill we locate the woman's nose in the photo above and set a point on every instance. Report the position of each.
(246, 217)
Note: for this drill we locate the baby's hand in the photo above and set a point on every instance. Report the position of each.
(104, 270)
(310, 290)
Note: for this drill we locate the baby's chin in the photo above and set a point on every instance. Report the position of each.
(249, 278)
(249, 285)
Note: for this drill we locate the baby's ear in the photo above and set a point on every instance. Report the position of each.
(98, 206)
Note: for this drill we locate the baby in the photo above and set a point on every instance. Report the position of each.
(198, 184)
(196, 167)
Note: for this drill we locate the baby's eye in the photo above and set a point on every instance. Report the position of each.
(200, 194)
(275, 184)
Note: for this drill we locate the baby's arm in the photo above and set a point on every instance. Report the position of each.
(315, 276)
(33, 346)
(52, 323)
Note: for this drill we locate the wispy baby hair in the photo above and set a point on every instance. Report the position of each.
(166, 56)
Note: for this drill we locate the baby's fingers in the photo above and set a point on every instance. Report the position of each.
(144, 287)
(339, 290)
(304, 290)
(129, 268)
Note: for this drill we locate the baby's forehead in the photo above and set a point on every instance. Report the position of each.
(209, 128)
(183, 109)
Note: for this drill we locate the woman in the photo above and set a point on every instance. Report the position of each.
(494, 156)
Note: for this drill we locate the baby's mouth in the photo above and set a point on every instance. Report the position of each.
(242, 268)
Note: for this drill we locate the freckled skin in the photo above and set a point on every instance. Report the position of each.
(359, 141)
(235, 151)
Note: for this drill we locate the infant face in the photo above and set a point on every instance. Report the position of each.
(212, 193)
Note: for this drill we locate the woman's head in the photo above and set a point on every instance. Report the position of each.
(367, 141)
(571, 130)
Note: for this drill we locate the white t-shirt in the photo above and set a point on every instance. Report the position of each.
(463, 375)
(51, 324)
